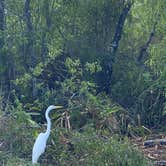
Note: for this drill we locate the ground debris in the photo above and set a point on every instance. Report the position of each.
(153, 148)
(160, 163)
(150, 143)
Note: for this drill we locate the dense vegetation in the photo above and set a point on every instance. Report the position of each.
(102, 60)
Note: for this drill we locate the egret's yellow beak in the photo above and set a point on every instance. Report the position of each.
(58, 107)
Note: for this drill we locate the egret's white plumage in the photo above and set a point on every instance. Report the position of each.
(40, 143)
(39, 147)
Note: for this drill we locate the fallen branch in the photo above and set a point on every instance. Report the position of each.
(160, 163)
(151, 143)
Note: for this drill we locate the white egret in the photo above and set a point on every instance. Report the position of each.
(40, 143)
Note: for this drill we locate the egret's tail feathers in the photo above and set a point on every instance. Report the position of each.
(34, 160)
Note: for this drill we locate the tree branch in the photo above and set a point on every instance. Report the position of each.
(27, 16)
(146, 45)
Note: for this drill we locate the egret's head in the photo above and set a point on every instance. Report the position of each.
(51, 107)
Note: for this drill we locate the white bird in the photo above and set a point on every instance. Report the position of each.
(40, 143)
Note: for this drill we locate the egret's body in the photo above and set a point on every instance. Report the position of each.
(39, 147)
(40, 143)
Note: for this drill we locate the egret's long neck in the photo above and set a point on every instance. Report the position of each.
(48, 122)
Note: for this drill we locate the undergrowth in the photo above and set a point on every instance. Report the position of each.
(64, 147)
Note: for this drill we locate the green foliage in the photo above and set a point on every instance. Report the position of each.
(93, 67)
(15, 161)
(73, 66)
(82, 32)
(16, 136)
(85, 148)
(55, 52)
(93, 151)
(64, 147)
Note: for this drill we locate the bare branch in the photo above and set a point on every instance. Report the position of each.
(146, 45)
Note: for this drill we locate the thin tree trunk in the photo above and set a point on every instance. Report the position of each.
(115, 45)
(2, 27)
(29, 31)
(2, 22)
(119, 28)
(144, 48)
(29, 34)
(47, 15)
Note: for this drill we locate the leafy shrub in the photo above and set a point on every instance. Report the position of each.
(91, 149)
(65, 147)
(16, 138)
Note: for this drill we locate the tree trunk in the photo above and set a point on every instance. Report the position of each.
(29, 35)
(2, 26)
(2, 22)
(44, 48)
(114, 46)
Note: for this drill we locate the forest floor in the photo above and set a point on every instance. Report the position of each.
(155, 150)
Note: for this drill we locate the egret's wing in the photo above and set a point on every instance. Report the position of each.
(39, 147)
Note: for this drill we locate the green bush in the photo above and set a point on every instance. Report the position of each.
(64, 147)
(90, 149)
(16, 135)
